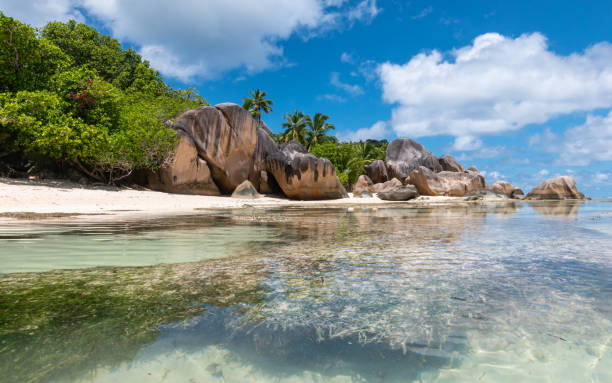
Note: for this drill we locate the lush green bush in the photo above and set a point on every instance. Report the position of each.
(74, 95)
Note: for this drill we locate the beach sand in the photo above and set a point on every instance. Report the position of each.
(60, 196)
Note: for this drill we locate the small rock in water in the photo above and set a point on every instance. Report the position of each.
(245, 190)
(402, 193)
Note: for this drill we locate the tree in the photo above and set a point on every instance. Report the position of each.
(295, 127)
(257, 103)
(318, 129)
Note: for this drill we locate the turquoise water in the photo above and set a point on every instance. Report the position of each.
(505, 292)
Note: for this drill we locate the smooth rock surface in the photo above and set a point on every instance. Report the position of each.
(386, 186)
(446, 183)
(401, 193)
(363, 184)
(245, 190)
(405, 155)
(225, 136)
(450, 164)
(258, 175)
(186, 172)
(377, 171)
(507, 189)
(563, 187)
(303, 176)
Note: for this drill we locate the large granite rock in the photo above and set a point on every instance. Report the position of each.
(386, 186)
(563, 187)
(377, 171)
(507, 189)
(259, 176)
(363, 184)
(225, 136)
(303, 176)
(446, 183)
(401, 193)
(186, 172)
(450, 164)
(405, 155)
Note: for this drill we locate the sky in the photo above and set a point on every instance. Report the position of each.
(520, 89)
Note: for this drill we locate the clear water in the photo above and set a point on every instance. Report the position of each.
(507, 292)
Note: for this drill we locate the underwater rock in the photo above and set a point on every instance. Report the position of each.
(303, 176)
(446, 183)
(245, 190)
(405, 155)
(450, 164)
(377, 171)
(401, 193)
(186, 172)
(563, 187)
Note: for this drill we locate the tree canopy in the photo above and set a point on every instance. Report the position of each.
(74, 95)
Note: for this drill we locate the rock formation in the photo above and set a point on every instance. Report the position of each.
(446, 183)
(222, 146)
(303, 176)
(484, 194)
(401, 193)
(386, 186)
(450, 164)
(377, 171)
(563, 187)
(405, 155)
(186, 172)
(245, 190)
(363, 184)
(507, 189)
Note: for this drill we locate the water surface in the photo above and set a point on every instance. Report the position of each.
(499, 292)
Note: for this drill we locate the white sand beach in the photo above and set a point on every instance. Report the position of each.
(60, 196)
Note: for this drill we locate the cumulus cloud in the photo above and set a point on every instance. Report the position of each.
(347, 58)
(495, 85)
(377, 131)
(334, 79)
(423, 13)
(204, 38)
(588, 143)
(39, 12)
(331, 97)
(467, 143)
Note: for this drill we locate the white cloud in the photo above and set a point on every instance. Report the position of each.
(495, 85)
(334, 79)
(347, 58)
(494, 174)
(543, 172)
(377, 131)
(332, 98)
(39, 12)
(204, 38)
(467, 143)
(423, 13)
(588, 143)
(601, 177)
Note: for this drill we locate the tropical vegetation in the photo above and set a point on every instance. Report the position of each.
(72, 96)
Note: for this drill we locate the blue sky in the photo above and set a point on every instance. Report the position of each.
(521, 89)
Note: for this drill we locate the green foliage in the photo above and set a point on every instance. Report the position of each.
(257, 103)
(349, 158)
(74, 95)
(295, 127)
(318, 129)
(26, 61)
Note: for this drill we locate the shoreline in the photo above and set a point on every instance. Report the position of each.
(63, 198)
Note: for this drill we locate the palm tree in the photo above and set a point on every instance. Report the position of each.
(318, 129)
(363, 154)
(257, 104)
(295, 127)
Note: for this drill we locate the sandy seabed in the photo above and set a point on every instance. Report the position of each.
(60, 196)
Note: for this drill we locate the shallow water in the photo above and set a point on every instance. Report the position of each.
(505, 292)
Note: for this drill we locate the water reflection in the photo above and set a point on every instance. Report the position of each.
(557, 208)
(451, 293)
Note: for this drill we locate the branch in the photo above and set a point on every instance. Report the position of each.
(84, 170)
